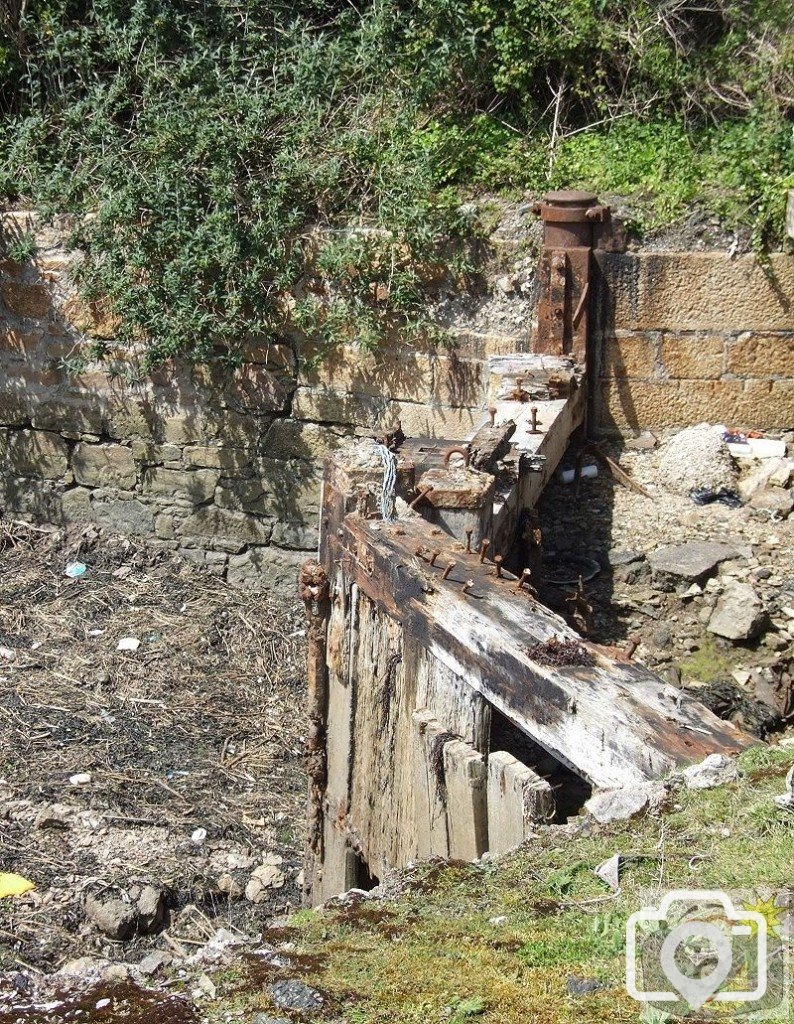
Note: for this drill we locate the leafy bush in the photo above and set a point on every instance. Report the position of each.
(225, 148)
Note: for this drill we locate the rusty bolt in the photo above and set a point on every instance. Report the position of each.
(423, 493)
(492, 410)
(467, 586)
(534, 428)
(419, 552)
(497, 560)
(469, 532)
(526, 575)
(433, 556)
(483, 548)
(448, 570)
(631, 647)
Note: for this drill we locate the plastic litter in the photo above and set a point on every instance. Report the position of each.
(707, 496)
(588, 472)
(757, 448)
(75, 569)
(128, 643)
(80, 779)
(14, 885)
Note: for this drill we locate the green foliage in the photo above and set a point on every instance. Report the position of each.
(223, 150)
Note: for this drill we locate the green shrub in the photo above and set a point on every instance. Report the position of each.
(223, 148)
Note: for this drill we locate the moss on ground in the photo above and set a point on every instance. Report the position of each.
(497, 942)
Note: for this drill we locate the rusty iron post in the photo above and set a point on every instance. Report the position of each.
(569, 219)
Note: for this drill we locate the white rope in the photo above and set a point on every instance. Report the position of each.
(388, 489)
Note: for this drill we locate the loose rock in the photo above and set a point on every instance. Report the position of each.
(295, 995)
(715, 770)
(738, 613)
(627, 802)
(115, 918)
(692, 562)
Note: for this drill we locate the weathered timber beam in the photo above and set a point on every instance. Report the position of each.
(612, 723)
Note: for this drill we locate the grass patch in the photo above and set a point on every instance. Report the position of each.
(497, 942)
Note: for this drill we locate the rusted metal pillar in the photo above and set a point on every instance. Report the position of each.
(569, 219)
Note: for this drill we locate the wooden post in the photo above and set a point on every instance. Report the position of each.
(517, 798)
(314, 592)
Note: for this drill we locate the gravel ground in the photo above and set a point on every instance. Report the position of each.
(176, 767)
(614, 529)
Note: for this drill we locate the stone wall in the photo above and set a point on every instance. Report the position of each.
(683, 337)
(224, 466)
(220, 466)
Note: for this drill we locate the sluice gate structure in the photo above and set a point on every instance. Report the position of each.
(450, 711)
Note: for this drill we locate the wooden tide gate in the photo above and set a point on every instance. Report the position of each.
(450, 710)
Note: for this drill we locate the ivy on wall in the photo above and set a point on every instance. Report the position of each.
(224, 148)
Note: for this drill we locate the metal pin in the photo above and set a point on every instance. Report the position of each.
(534, 429)
(483, 549)
(433, 556)
(631, 647)
(469, 532)
(448, 570)
(492, 410)
(467, 586)
(526, 575)
(497, 561)
(422, 494)
(419, 551)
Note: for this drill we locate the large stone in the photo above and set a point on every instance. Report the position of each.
(114, 918)
(212, 457)
(226, 523)
(738, 614)
(695, 458)
(76, 505)
(287, 439)
(273, 569)
(124, 517)
(37, 453)
(691, 562)
(776, 500)
(104, 465)
(627, 802)
(196, 485)
(767, 473)
(714, 770)
(295, 535)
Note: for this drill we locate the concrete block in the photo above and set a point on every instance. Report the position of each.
(196, 485)
(695, 291)
(630, 355)
(225, 523)
(762, 354)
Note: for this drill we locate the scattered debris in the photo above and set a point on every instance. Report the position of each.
(14, 885)
(578, 987)
(75, 569)
(756, 448)
(609, 871)
(786, 800)
(707, 496)
(695, 459)
(128, 643)
(555, 651)
(295, 995)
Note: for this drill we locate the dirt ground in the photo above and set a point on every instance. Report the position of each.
(177, 766)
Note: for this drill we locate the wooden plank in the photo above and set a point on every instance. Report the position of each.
(517, 799)
(465, 778)
(429, 803)
(612, 723)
